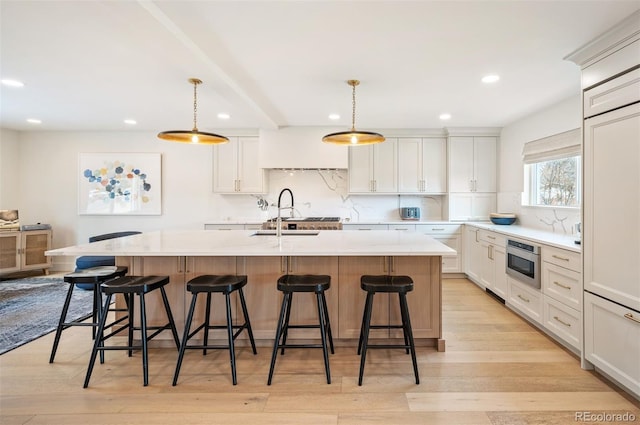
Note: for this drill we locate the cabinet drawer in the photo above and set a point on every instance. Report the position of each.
(562, 284)
(365, 227)
(492, 238)
(561, 257)
(406, 227)
(525, 300)
(439, 229)
(612, 340)
(564, 322)
(620, 91)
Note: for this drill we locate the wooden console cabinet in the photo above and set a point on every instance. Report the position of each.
(21, 251)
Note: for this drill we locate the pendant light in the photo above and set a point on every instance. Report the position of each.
(353, 137)
(194, 136)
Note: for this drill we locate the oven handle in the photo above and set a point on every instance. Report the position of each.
(527, 255)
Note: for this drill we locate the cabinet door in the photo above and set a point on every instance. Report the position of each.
(304, 309)
(500, 286)
(425, 299)
(360, 169)
(473, 253)
(434, 165)
(484, 164)
(611, 237)
(350, 312)
(487, 266)
(225, 167)
(612, 340)
(10, 252)
(34, 244)
(385, 167)
(410, 160)
(461, 164)
(251, 178)
(263, 298)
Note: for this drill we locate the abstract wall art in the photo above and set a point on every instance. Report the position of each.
(119, 184)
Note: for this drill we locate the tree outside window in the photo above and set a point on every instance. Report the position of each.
(556, 182)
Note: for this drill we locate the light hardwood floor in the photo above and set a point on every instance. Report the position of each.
(497, 369)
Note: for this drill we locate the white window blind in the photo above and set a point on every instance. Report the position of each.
(562, 145)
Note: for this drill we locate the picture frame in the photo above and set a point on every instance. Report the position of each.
(119, 183)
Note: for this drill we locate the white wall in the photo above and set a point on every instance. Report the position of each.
(563, 116)
(9, 166)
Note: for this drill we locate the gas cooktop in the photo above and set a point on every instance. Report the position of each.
(305, 223)
(307, 219)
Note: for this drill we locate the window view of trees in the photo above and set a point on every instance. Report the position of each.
(557, 182)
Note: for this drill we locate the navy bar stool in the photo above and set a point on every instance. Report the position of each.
(290, 284)
(208, 284)
(129, 286)
(91, 277)
(387, 284)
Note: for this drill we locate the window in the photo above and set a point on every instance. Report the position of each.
(555, 182)
(552, 170)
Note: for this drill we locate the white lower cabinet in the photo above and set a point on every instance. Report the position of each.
(492, 264)
(451, 236)
(564, 322)
(352, 226)
(612, 340)
(524, 299)
(472, 253)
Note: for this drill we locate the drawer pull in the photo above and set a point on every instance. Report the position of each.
(523, 298)
(630, 317)
(555, 282)
(560, 258)
(401, 228)
(491, 237)
(437, 229)
(562, 321)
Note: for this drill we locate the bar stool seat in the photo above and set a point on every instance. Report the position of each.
(290, 284)
(91, 277)
(224, 284)
(386, 284)
(129, 286)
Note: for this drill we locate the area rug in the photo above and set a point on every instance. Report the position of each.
(31, 307)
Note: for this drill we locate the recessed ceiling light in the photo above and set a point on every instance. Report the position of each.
(487, 79)
(445, 116)
(334, 117)
(130, 122)
(223, 116)
(33, 121)
(12, 83)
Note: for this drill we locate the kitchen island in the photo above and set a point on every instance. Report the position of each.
(345, 256)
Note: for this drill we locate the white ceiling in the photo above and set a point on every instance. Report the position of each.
(88, 65)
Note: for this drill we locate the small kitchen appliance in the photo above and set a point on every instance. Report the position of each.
(523, 262)
(410, 213)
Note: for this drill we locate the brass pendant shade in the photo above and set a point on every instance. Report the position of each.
(194, 136)
(353, 137)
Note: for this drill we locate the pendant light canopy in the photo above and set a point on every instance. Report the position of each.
(194, 136)
(353, 137)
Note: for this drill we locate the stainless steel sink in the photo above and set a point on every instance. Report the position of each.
(287, 233)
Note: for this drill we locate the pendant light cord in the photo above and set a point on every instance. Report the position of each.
(353, 108)
(195, 106)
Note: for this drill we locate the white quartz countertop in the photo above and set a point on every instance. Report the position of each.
(539, 236)
(244, 243)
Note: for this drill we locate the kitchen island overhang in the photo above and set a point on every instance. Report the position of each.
(344, 255)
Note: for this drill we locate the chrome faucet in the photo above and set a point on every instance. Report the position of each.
(280, 208)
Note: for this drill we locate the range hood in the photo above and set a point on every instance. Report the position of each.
(301, 148)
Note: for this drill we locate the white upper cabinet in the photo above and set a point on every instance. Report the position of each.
(373, 168)
(472, 164)
(235, 167)
(422, 165)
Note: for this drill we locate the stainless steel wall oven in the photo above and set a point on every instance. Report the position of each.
(523, 262)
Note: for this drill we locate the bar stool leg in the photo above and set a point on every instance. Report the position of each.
(328, 322)
(143, 338)
(404, 323)
(172, 323)
(207, 322)
(408, 331)
(232, 352)
(63, 318)
(365, 334)
(130, 305)
(323, 336)
(185, 337)
(245, 312)
(286, 320)
(283, 311)
(98, 341)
